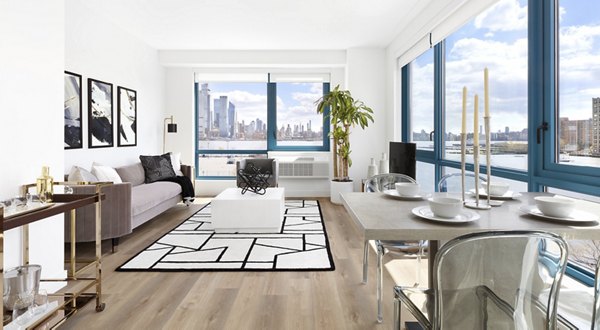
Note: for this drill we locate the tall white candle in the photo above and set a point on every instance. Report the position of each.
(486, 93)
(464, 110)
(476, 122)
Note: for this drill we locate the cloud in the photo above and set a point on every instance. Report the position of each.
(248, 106)
(579, 69)
(301, 108)
(505, 15)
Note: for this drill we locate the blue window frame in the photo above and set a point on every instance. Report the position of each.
(544, 165)
(218, 146)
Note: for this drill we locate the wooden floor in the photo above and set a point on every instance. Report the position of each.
(239, 300)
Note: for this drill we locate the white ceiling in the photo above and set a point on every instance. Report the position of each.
(260, 24)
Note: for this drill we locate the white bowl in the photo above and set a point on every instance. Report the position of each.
(555, 206)
(445, 207)
(498, 188)
(407, 188)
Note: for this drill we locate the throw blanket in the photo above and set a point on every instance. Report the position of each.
(187, 189)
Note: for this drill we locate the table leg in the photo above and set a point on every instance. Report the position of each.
(433, 249)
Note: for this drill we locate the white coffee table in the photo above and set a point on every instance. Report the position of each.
(233, 212)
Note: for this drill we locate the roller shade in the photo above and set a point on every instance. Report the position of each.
(300, 77)
(419, 48)
(441, 19)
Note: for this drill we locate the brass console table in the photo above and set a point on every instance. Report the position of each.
(69, 301)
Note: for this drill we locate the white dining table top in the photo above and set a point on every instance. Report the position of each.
(385, 218)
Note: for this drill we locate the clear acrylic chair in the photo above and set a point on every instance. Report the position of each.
(576, 305)
(379, 183)
(452, 182)
(491, 280)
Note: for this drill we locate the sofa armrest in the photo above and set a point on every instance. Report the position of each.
(115, 208)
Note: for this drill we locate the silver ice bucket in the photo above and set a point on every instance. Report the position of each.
(20, 285)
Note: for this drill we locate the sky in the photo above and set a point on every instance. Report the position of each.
(497, 39)
(295, 102)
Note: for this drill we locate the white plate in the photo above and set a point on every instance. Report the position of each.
(464, 215)
(576, 215)
(394, 193)
(507, 196)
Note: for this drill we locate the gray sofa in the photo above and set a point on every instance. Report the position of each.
(126, 205)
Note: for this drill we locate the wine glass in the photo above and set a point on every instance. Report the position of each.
(22, 304)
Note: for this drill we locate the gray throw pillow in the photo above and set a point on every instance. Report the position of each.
(157, 167)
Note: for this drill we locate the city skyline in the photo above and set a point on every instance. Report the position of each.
(576, 136)
(220, 118)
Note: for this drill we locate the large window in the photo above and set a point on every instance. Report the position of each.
(232, 116)
(421, 100)
(236, 120)
(298, 123)
(578, 138)
(544, 62)
(496, 39)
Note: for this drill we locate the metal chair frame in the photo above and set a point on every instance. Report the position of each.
(484, 293)
(387, 246)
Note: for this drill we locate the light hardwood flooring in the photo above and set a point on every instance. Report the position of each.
(239, 300)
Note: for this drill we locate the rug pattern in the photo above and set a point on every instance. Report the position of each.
(302, 244)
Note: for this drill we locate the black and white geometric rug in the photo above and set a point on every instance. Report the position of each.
(302, 244)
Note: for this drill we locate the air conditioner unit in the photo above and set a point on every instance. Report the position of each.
(303, 168)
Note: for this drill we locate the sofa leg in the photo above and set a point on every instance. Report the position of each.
(115, 244)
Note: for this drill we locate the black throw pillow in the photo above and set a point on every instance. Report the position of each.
(157, 168)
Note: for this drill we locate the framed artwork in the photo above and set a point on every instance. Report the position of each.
(127, 117)
(100, 117)
(72, 111)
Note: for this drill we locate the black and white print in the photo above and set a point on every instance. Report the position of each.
(100, 114)
(72, 108)
(127, 117)
(301, 244)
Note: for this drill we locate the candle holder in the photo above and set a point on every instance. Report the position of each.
(477, 206)
(488, 148)
(463, 149)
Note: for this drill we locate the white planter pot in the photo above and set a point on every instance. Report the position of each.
(340, 187)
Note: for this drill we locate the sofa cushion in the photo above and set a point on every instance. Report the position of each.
(176, 162)
(157, 167)
(133, 173)
(106, 174)
(80, 174)
(147, 196)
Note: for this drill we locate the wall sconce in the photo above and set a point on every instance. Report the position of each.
(171, 128)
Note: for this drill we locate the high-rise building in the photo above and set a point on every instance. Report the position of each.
(259, 125)
(232, 119)
(596, 125)
(506, 130)
(221, 112)
(204, 114)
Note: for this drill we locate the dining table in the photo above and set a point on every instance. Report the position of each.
(380, 216)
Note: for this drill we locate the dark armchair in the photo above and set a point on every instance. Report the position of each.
(264, 165)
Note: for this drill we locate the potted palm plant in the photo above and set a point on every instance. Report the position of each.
(345, 112)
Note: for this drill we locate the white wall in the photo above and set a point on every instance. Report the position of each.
(96, 48)
(366, 80)
(31, 103)
(180, 91)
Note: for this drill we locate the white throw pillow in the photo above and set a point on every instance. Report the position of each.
(80, 174)
(176, 162)
(106, 174)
